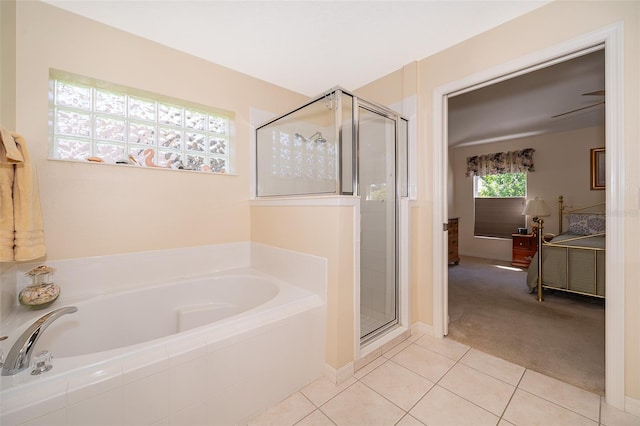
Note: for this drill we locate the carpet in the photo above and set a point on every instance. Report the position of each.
(491, 310)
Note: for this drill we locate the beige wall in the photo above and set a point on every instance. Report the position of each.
(325, 231)
(97, 210)
(7, 62)
(7, 112)
(543, 28)
(562, 163)
(92, 210)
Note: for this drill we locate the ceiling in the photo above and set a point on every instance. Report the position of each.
(311, 46)
(526, 105)
(305, 46)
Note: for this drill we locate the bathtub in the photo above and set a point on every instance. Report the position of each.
(208, 350)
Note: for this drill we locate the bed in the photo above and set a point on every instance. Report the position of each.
(574, 260)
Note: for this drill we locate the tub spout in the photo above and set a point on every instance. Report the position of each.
(19, 356)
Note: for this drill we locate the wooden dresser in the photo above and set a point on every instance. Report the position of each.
(524, 247)
(452, 227)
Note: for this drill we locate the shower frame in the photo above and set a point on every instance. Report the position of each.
(335, 97)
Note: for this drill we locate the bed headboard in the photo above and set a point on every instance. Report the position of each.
(597, 210)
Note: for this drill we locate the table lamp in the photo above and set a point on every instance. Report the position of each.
(537, 208)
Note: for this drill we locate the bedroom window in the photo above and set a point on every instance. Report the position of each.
(107, 123)
(499, 200)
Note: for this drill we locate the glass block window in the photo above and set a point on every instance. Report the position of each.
(103, 122)
(293, 156)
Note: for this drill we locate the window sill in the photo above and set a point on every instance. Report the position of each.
(133, 166)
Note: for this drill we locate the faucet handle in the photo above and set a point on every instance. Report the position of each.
(41, 362)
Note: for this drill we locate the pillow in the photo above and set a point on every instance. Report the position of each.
(586, 224)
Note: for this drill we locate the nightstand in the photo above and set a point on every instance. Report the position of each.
(524, 247)
(452, 227)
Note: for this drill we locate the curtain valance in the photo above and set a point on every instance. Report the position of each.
(501, 163)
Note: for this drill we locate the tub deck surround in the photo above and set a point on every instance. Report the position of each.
(216, 373)
(83, 278)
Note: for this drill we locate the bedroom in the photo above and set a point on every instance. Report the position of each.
(562, 167)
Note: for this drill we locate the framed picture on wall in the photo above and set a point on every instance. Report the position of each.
(598, 176)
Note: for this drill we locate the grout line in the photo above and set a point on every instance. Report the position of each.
(434, 383)
(558, 405)
(464, 398)
(379, 394)
(516, 387)
(308, 399)
(334, 396)
(600, 411)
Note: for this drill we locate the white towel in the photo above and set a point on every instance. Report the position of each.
(21, 229)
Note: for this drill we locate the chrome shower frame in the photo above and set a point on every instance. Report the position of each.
(333, 100)
(336, 100)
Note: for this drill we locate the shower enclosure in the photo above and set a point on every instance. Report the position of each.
(339, 144)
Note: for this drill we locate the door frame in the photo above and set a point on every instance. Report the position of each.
(612, 39)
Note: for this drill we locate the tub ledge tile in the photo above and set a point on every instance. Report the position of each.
(87, 386)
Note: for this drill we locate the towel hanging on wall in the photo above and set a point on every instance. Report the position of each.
(21, 229)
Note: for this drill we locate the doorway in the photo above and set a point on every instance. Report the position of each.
(612, 39)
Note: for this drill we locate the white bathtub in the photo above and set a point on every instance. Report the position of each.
(212, 350)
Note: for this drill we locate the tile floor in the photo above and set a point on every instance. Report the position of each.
(429, 381)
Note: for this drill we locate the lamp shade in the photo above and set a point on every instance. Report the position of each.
(536, 207)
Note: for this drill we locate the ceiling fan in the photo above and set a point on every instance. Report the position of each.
(595, 93)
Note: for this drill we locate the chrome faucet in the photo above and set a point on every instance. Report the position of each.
(19, 356)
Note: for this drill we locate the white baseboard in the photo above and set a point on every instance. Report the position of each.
(421, 328)
(632, 405)
(340, 375)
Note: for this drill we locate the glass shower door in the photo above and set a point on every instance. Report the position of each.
(377, 190)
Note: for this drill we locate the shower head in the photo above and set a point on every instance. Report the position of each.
(317, 135)
(320, 139)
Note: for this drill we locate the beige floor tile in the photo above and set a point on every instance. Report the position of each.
(359, 405)
(488, 392)
(317, 418)
(526, 409)
(496, 367)
(503, 422)
(369, 367)
(426, 363)
(610, 416)
(415, 335)
(409, 420)
(441, 407)
(447, 347)
(287, 412)
(398, 384)
(323, 390)
(563, 394)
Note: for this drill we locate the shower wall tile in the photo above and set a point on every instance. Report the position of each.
(51, 396)
(147, 400)
(144, 366)
(55, 418)
(8, 291)
(104, 409)
(193, 415)
(184, 383)
(88, 386)
(91, 276)
(187, 384)
(86, 277)
(303, 270)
